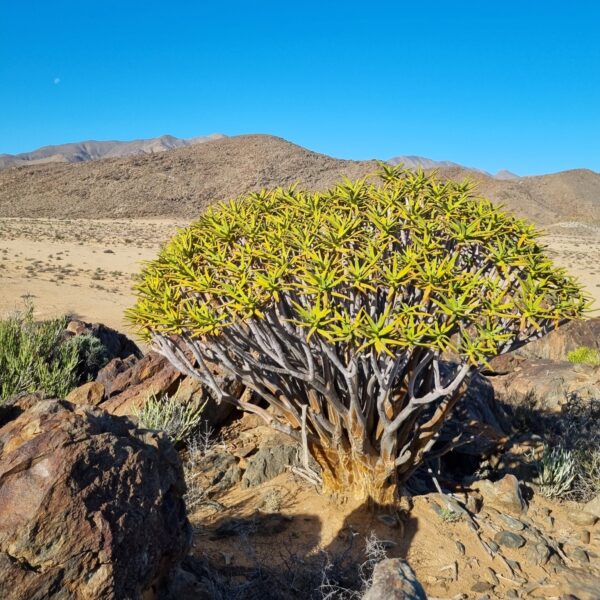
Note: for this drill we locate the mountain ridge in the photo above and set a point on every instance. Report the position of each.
(83, 151)
(184, 181)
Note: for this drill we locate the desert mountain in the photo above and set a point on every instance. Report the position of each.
(183, 181)
(93, 150)
(412, 162)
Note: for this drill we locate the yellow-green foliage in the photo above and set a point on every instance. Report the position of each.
(584, 355)
(335, 308)
(403, 261)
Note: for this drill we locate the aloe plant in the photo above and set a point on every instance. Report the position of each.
(340, 304)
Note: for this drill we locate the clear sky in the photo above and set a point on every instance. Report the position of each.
(492, 84)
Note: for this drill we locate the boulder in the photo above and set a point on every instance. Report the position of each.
(479, 418)
(393, 579)
(130, 387)
(216, 414)
(272, 459)
(558, 343)
(90, 506)
(546, 384)
(129, 382)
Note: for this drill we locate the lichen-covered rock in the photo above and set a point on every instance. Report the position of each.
(393, 579)
(90, 506)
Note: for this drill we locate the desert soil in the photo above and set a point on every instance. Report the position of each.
(286, 522)
(86, 267)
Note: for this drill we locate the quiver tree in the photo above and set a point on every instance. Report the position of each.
(339, 305)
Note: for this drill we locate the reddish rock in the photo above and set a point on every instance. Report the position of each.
(90, 506)
(547, 384)
(91, 393)
(131, 387)
(128, 384)
(558, 343)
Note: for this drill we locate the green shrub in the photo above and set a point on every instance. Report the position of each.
(37, 356)
(177, 419)
(338, 305)
(584, 355)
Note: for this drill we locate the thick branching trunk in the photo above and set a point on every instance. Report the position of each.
(369, 420)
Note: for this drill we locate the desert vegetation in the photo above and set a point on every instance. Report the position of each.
(37, 356)
(336, 308)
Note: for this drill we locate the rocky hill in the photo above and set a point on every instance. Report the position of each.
(183, 181)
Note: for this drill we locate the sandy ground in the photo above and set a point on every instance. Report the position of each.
(81, 267)
(86, 267)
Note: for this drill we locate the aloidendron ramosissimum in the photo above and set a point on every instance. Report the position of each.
(343, 302)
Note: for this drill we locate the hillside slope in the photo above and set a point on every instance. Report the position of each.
(183, 181)
(179, 183)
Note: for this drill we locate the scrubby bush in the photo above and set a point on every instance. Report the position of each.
(584, 355)
(339, 305)
(167, 413)
(37, 356)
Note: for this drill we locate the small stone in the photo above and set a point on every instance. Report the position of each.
(509, 539)
(482, 586)
(548, 521)
(511, 522)
(474, 503)
(580, 555)
(460, 547)
(582, 518)
(538, 554)
(393, 579)
(593, 506)
(493, 579)
(585, 536)
(512, 594)
(493, 546)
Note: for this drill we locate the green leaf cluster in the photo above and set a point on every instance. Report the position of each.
(399, 260)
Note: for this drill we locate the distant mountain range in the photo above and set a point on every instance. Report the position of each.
(93, 150)
(181, 182)
(412, 162)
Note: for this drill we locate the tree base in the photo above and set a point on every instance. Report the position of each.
(367, 478)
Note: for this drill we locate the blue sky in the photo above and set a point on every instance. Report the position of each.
(492, 84)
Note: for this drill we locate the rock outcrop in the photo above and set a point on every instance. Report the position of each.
(124, 384)
(90, 506)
